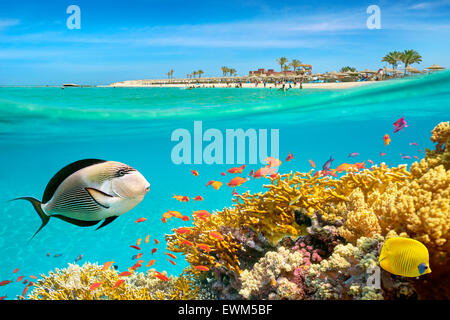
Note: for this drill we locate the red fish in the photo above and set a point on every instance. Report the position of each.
(204, 247)
(216, 235)
(194, 172)
(183, 230)
(201, 268)
(413, 144)
(135, 247)
(156, 241)
(172, 262)
(236, 182)
(136, 266)
(25, 290)
(139, 255)
(161, 276)
(370, 161)
(223, 174)
(150, 263)
(140, 220)
(198, 198)
(187, 243)
(138, 242)
(5, 282)
(202, 213)
(181, 198)
(16, 270)
(3, 298)
(382, 154)
(237, 169)
(19, 279)
(185, 218)
(147, 238)
(95, 286)
(125, 274)
(170, 255)
(118, 283)
(33, 277)
(289, 157)
(154, 250)
(312, 163)
(107, 265)
(216, 185)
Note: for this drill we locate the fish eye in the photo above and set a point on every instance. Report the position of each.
(121, 173)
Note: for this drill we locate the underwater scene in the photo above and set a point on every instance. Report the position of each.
(165, 193)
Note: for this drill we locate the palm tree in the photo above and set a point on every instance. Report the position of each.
(232, 72)
(295, 64)
(409, 57)
(200, 72)
(225, 70)
(194, 73)
(285, 68)
(392, 58)
(171, 73)
(282, 61)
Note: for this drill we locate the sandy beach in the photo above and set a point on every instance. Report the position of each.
(329, 85)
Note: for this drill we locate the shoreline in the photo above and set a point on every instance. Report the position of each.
(327, 85)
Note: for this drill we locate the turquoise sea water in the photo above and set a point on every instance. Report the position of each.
(44, 129)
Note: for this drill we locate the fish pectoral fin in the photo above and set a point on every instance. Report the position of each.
(103, 199)
(107, 221)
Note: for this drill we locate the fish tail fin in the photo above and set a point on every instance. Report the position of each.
(37, 206)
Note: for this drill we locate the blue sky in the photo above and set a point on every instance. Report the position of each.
(142, 39)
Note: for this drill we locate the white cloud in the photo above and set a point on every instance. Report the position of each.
(6, 23)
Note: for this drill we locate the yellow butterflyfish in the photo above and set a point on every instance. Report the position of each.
(404, 257)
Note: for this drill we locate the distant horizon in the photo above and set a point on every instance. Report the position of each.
(145, 39)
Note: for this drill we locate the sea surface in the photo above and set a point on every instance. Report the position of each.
(44, 129)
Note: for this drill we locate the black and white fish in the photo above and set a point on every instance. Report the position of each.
(87, 191)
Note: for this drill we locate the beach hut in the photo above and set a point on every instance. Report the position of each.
(412, 70)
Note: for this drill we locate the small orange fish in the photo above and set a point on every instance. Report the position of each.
(25, 290)
(187, 243)
(125, 274)
(289, 157)
(147, 238)
(175, 214)
(33, 277)
(183, 230)
(370, 161)
(386, 139)
(194, 172)
(164, 220)
(172, 262)
(135, 247)
(161, 277)
(202, 213)
(216, 185)
(15, 270)
(139, 255)
(156, 241)
(237, 169)
(204, 247)
(223, 174)
(154, 250)
(170, 255)
(19, 279)
(262, 172)
(136, 266)
(107, 265)
(185, 218)
(236, 182)
(181, 198)
(140, 220)
(95, 286)
(273, 162)
(118, 283)
(201, 268)
(5, 282)
(138, 242)
(312, 163)
(150, 263)
(198, 198)
(216, 235)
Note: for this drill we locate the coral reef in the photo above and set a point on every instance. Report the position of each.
(74, 283)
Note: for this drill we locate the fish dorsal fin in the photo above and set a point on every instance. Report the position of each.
(100, 197)
(62, 174)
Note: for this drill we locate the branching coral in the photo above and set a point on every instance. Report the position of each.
(74, 283)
